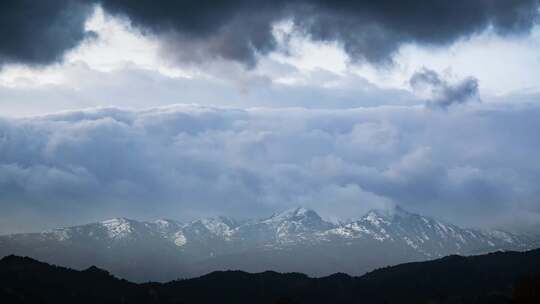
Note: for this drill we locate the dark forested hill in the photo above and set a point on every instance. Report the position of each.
(502, 277)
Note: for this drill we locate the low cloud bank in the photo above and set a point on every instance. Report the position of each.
(475, 165)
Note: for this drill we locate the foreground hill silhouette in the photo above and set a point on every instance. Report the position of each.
(501, 277)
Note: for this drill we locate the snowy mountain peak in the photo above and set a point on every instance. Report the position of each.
(294, 225)
(219, 226)
(390, 214)
(299, 211)
(296, 214)
(378, 219)
(118, 227)
(166, 223)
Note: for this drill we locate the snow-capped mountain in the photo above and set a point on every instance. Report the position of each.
(294, 240)
(427, 236)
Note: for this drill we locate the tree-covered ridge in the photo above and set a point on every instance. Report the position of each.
(501, 277)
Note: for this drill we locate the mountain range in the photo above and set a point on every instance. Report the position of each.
(296, 240)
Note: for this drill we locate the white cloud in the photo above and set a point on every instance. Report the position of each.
(136, 87)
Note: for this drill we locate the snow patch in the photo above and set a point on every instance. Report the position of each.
(179, 239)
(117, 227)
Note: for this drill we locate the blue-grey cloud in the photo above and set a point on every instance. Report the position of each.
(476, 165)
(442, 93)
(368, 30)
(40, 32)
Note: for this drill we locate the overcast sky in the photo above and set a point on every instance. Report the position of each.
(185, 109)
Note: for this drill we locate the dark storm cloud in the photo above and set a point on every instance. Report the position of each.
(199, 30)
(368, 30)
(374, 30)
(442, 93)
(40, 32)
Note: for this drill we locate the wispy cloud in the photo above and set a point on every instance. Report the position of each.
(442, 93)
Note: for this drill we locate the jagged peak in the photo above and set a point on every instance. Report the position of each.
(392, 213)
(220, 225)
(217, 220)
(296, 213)
(377, 214)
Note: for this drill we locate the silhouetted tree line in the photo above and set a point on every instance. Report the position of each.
(503, 277)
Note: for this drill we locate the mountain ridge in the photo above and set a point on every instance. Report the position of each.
(495, 278)
(297, 239)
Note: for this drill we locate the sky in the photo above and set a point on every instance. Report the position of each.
(186, 109)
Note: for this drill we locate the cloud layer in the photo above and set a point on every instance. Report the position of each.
(475, 165)
(135, 87)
